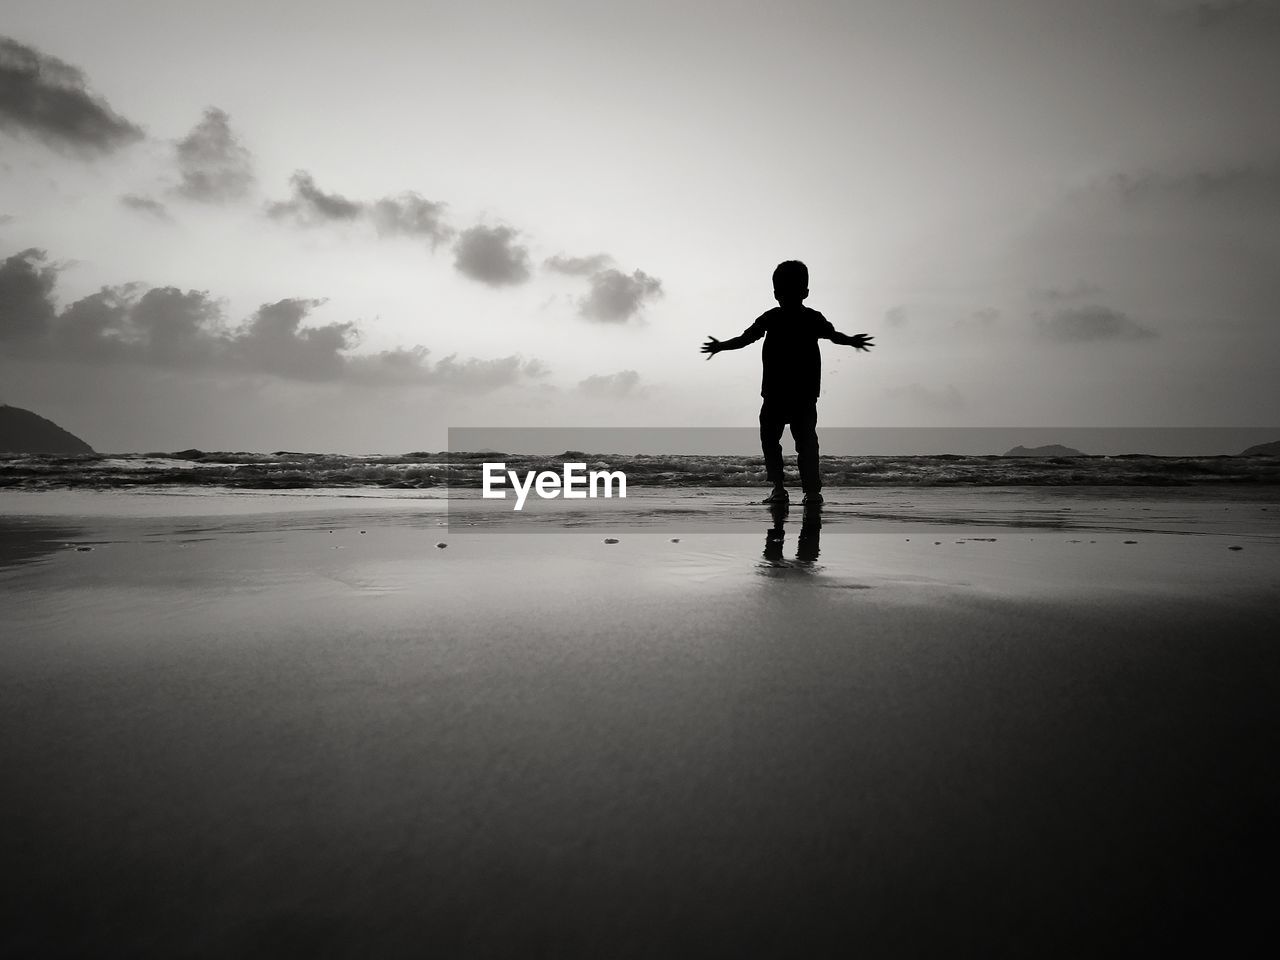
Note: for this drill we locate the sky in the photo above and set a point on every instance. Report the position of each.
(349, 227)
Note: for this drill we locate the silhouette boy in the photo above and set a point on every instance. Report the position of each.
(792, 376)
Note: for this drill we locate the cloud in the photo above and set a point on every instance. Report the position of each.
(310, 205)
(172, 328)
(5, 218)
(491, 256)
(147, 206)
(96, 326)
(168, 328)
(26, 296)
(616, 297)
(1091, 322)
(612, 385)
(214, 166)
(1209, 14)
(411, 215)
(578, 266)
(407, 214)
(896, 316)
(472, 375)
(978, 321)
(613, 296)
(1248, 186)
(48, 99)
(936, 399)
(1077, 291)
(275, 342)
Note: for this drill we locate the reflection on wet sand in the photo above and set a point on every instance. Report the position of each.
(807, 549)
(26, 541)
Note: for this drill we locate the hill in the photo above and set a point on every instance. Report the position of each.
(1048, 450)
(22, 431)
(1271, 449)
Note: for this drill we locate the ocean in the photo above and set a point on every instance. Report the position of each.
(424, 470)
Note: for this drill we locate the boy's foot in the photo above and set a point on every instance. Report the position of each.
(779, 495)
(813, 499)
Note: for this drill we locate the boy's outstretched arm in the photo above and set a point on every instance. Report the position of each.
(748, 336)
(859, 341)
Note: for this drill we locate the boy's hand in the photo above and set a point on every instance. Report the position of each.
(711, 347)
(861, 341)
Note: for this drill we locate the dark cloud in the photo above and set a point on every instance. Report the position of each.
(97, 326)
(492, 256)
(310, 205)
(146, 205)
(168, 328)
(43, 97)
(1092, 322)
(26, 296)
(896, 316)
(275, 342)
(173, 328)
(578, 266)
(214, 166)
(610, 385)
(411, 215)
(616, 297)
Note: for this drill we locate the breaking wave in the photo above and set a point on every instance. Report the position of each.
(286, 470)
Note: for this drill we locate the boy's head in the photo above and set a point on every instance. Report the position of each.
(790, 282)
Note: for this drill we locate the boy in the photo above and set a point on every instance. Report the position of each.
(792, 376)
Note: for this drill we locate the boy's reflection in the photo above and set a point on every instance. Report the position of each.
(810, 536)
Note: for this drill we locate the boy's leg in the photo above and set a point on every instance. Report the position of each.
(772, 421)
(804, 431)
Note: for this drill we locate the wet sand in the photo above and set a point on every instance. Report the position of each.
(243, 734)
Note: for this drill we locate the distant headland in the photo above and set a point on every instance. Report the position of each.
(1271, 449)
(22, 431)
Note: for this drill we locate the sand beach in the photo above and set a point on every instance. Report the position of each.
(1031, 723)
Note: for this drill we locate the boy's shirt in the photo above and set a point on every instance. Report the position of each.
(792, 360)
